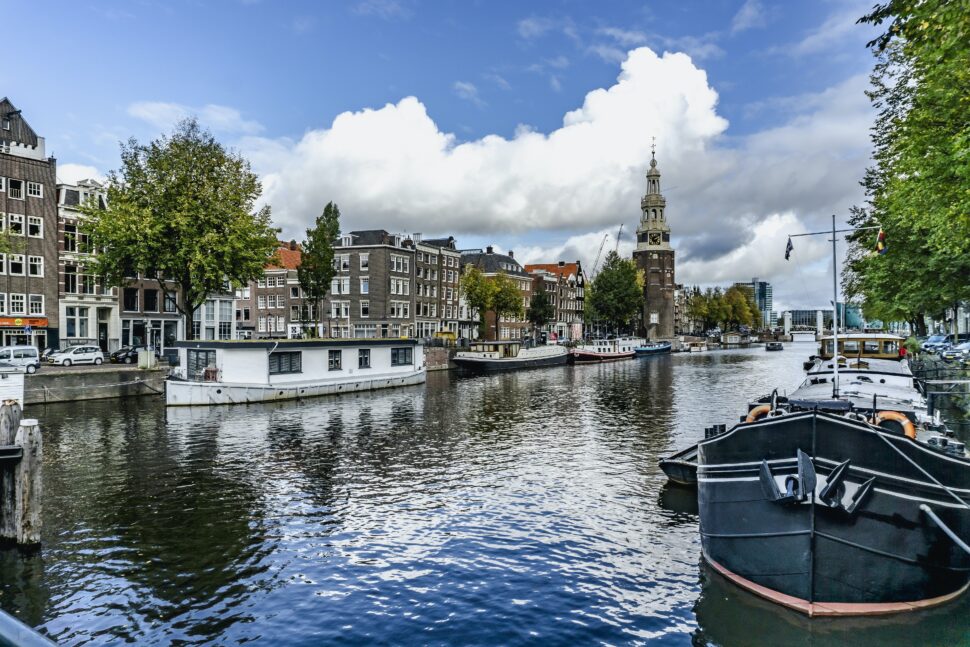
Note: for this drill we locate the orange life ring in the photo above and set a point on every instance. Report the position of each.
(758, 412)
(908, 427)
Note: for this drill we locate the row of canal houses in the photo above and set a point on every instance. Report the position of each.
(387, 285)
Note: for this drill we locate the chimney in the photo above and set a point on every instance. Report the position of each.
(488, 250)
(511, 254)
(416, 237)
(292, 245)
(562, 263)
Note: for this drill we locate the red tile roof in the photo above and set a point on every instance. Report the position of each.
(555, 268)
(289, 259)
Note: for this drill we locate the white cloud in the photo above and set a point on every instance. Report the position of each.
(608, 53)
(385, 9)
(535, 27)
(625, 37)
(749, 16)
(838, 30)
(72, 173)
(468, 92)
(498, 80)
(223, 119)
(552, 195)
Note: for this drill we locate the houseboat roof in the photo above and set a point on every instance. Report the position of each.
(289, 344)
(865, 335)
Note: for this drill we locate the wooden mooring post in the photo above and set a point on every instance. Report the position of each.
(21, 473)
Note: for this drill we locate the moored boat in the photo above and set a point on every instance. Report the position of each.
(774, 345)
(695, 346)
(245, 371)
(606, 350)
(654, 348)
(501, 356)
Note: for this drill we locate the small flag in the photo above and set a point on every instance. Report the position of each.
(881, 242)
(789, 248)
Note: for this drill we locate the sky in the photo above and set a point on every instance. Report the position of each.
(527, 126)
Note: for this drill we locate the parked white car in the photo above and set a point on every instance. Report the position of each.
(77, 355)
(26, 356)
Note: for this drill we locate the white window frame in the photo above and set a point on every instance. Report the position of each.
(261, 302)
(3, 303)
(33, 298)
(35, 220)
(365, 285)
(3, 184)
(16, 217)
(10, 190)
(11, 261)
(365, 314)
(364, 260)
(23, 302)
(35, 186)
(40, 265)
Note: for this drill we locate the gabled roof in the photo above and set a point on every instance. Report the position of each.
(289, 259)
(20, 131)
(448, 242)
(565, 270)
(492, 263)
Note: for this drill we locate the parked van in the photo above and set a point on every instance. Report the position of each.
(26, 356)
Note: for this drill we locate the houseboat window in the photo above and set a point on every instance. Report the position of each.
(890, 347)
(871, 346)
(288, 362)
(198, 361)
(363, 358)
(850, 346)
(333, 359)
(401, 356)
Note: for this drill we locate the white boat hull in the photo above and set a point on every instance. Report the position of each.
(180, 393)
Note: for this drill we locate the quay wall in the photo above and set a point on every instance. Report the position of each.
(94, 384)
(438, 359)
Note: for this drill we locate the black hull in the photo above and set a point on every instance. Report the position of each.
(490, 365)
(878, 554)
(681, 468)
(656, 350)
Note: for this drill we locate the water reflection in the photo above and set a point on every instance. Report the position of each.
(497, 509)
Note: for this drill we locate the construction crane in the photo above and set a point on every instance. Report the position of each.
(596, 263)
(618, 234)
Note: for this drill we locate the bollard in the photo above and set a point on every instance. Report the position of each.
(9, 423)
(29, 487)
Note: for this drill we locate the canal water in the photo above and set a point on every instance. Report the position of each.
(499, 510)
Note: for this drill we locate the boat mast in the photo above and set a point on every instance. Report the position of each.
(835, 318)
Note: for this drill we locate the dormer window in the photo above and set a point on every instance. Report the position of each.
(346, 241)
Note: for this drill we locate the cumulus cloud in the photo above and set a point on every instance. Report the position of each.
(72, 173)
(469, 92)
(163, 115)
(553, 195)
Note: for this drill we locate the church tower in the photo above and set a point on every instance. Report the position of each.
(655, 258)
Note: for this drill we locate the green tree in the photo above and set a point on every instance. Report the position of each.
(181, 210)
(316, 269)
(496, 294)
(616, 298)
(541, 310)
(917, 188)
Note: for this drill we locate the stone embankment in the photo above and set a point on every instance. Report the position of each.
(438, 358)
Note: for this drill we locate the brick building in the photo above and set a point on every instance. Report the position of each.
(273, 306)
(437, 273)
(28, 215)
(565, 284)
(655, 258)
(490, 264)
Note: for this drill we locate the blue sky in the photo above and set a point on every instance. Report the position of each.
(770, 93)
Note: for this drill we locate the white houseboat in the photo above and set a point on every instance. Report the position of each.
(607, 350)
(238, 372)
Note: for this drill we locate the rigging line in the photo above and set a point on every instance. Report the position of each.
(925, 473)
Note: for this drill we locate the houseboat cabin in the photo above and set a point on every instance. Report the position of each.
(870, 345)
(235, 372)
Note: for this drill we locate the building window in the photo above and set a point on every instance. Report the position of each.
(18, 304)
(365, 331)
(151, 300)
(36, 304)
(288, 362)
(245, 314)
(261, 325)
(364, 285)
(170, 303)
(399, 263)
(401, 356)
(130, 300)
(35, 266)
(3, 303)
(15, 189)
(35, 189)
(340, 309)
(365, 309)
(333, 360)
(16, 221)
(294, 292)
(364, 261)
(363, 358)
(77, 322)
(17, 264)
(3, 263)
(35, 226)
(261, 282)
